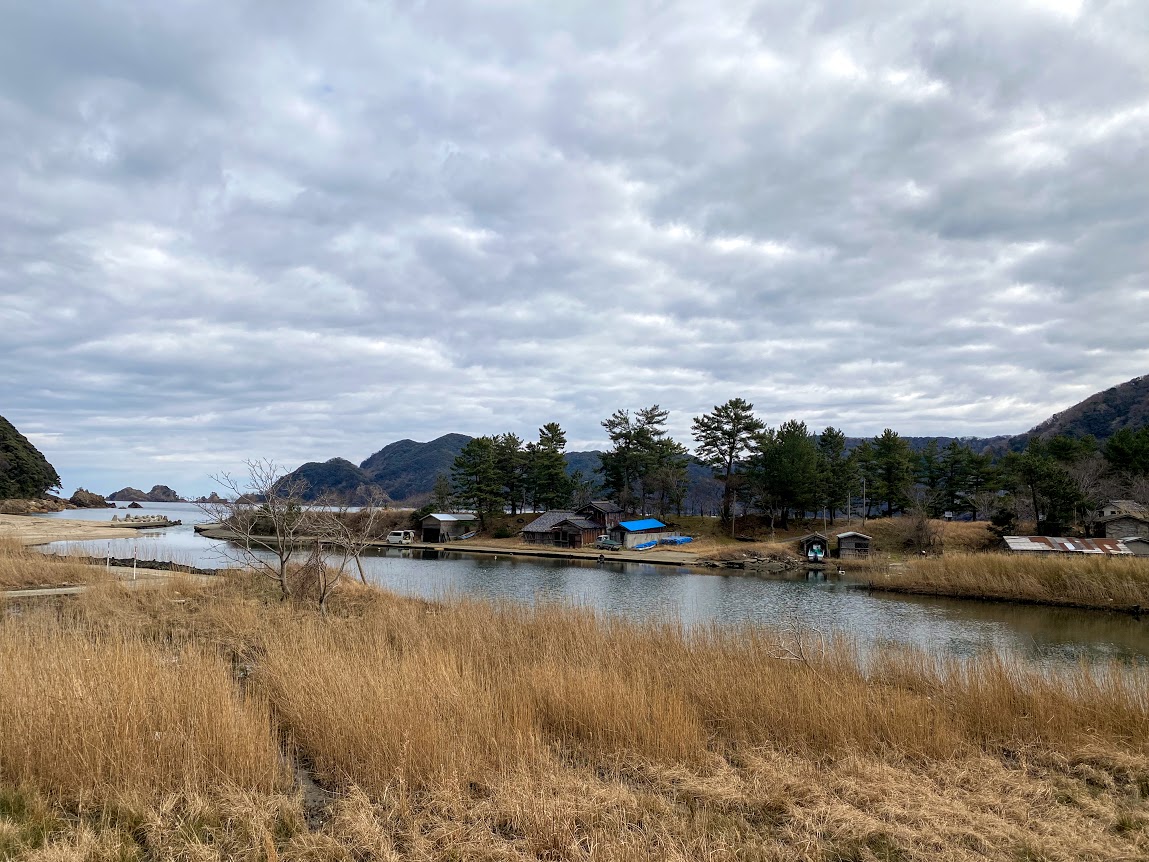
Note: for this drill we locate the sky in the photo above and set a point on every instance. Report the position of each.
(300, 230)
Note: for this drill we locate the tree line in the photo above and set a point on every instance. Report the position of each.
(787, 471)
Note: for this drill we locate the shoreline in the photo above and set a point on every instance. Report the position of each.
(32, 530)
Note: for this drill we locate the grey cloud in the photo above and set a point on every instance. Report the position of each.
(303, 230)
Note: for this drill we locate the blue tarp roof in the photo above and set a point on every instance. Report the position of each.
(644, 524)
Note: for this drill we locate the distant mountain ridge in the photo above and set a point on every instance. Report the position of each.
(1102, 414)
(406, 469)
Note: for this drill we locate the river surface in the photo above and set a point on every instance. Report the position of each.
(1047, 636)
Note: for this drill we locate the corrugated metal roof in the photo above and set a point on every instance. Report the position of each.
(1062, 545)
(453, 516)
(852, 533)
(545, 522)
(643, 524)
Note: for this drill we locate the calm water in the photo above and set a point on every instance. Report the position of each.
(642, 591)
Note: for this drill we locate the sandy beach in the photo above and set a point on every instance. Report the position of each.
(30, 530)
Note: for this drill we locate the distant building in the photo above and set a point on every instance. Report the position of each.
(853, 545)
(1062, 545)
(1119, 518)
(815, 547)
(561, 529)
(632, 533)
(603, 512)
(447, 526)
(1138, 545)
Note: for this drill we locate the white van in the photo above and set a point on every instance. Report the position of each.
(400, 537)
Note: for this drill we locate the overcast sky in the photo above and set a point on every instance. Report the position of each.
(301, 230)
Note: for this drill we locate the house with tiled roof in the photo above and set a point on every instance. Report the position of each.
(561, 529)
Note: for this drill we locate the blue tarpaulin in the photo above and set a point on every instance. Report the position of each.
(644, 524)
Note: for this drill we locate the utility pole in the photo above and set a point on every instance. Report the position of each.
(863, 501)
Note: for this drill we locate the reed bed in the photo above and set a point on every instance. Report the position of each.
(97, 718)
(22, 567)
(470, 730)
(1109, 583)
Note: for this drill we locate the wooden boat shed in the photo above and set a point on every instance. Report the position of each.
(814, 546)
(853, 545)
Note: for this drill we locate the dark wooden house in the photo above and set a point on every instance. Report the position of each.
(603, 512)
(561, 529)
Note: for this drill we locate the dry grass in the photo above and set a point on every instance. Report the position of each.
(1056, 579)
(90, 717)
(472, 731)
(22, 567)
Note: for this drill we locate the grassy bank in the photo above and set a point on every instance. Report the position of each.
(1057, 579)
(172, 724)
(22, 567)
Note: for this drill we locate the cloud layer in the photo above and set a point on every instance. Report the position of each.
(305, 229)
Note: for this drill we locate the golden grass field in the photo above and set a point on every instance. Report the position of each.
(207, 721)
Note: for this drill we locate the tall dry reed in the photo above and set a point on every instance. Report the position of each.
(23, 567)
(86, 717)
(1075, 580)
(409, 694)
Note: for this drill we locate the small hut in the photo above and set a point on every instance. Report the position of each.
(1138, 545)
(815, 547)
(853, 545)
(447, 526)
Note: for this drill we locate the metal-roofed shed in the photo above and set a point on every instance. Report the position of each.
(853, 545)
(1063, 545)
(447, 526)
(641, 531)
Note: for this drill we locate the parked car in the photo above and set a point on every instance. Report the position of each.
(606, 543)
(400, 537)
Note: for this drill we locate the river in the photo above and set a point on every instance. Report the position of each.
(1046, 636)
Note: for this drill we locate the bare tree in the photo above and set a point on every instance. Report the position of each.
(266, 517)
(1093, 483)
(925, 533)
(347, 532)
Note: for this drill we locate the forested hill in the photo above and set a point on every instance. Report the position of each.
(24, 472)
(405, 470)
(997, 445)
(1103, 414)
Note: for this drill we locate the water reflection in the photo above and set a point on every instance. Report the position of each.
(818, 598)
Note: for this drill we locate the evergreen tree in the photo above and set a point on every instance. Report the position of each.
(836, 473)
(550, 485)
(511, 463)
(724, 438)
(644, 462)
(24, 472)
(477, 479)
(783, 471)
(894, 463)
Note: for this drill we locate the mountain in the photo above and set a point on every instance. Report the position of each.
(24, 472)
(338, 477)
(407, 469)
(1102, 414)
